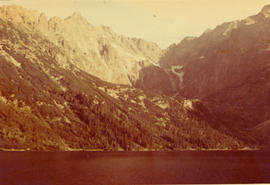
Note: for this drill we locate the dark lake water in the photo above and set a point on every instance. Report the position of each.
(83, 168)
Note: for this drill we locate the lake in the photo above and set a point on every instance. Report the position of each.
(83, 168)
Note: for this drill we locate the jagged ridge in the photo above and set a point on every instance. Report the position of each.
(96, 50)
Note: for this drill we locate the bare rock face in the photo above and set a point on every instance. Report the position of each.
(96, 50)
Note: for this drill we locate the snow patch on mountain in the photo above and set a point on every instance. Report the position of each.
(178, 71)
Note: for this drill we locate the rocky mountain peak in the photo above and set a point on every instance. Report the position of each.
(77, 18)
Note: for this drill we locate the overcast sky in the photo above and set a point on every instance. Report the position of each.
(162, 21)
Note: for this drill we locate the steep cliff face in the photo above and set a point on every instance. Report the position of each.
(96, 50)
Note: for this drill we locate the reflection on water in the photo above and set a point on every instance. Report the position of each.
(83, 168)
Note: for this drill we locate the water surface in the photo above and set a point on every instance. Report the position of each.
(83, 168)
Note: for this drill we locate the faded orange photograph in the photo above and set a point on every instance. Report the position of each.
(112, 92)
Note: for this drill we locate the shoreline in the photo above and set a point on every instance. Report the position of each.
(100, 150)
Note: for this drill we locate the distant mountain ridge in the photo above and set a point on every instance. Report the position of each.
(96, 50)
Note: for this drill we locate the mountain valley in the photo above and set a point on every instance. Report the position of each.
(68, 85)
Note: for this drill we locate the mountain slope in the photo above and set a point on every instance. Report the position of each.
(96, 50)
(221, 58)
(227, 67)
(49, 103)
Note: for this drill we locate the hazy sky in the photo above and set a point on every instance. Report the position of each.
(161, 21)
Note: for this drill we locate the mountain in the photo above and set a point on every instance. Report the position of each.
(229, 53)
(95, 50)
(227, 67)
(219, 58)
(48, 102)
